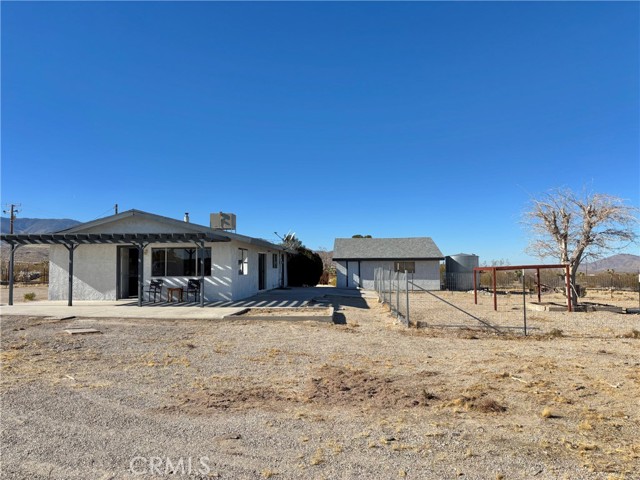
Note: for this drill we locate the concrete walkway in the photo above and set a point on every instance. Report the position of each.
(279, 298)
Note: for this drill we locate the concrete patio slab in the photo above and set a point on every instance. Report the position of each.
(118, 309)
(278, 298)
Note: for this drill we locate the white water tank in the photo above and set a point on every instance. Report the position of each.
(459, 271)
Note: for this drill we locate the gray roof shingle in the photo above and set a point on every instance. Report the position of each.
(385, 248)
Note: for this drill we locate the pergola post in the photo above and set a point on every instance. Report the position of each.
(538, 283)
(14, 247)
(202, 250)
(140, 272)
(70, 248)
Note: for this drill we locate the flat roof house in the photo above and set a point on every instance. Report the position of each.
(357, 259)
(108, 253)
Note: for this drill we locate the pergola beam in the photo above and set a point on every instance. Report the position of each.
(71, 241)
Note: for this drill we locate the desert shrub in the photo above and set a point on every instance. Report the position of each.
(304, 268)
(28, 297)
(555, 333)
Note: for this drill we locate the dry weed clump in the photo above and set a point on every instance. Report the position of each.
(555, 333)
(317, 458)
(268, 473)
(632, 334)
(547, 413)
(482, 405)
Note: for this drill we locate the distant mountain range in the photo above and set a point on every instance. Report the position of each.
(37, 225)
(620, 263)
(623, 262)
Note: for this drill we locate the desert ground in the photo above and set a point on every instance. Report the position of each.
(363, 398)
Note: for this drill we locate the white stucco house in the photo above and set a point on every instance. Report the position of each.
(235, 266)
(357, 258)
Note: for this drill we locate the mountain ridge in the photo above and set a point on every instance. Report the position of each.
(37, 225)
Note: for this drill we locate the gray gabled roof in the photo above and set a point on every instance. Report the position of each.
(173, 225)
(386, 249)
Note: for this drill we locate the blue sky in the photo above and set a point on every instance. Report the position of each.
(327, 119)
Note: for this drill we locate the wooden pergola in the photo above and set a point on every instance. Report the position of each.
(72, 240)
(537, 268)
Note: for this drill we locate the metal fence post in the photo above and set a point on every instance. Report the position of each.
(398, 294)
(406, 279)
(388, 289)
(524, 305)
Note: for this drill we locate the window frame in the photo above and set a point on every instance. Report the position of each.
(404, 264)
(165, 274)
(243, 262)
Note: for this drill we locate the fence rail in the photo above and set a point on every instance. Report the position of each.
(550, 280)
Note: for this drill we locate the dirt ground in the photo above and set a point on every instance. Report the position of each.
(457, 309)
(367, 398)
(19, 290)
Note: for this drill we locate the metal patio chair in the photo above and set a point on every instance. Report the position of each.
(193, 287)
(155, 287)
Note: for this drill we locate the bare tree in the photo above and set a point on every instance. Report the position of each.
(327, 259)
(572, 227)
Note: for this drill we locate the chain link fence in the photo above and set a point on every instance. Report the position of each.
(32, 273)
(393, 290)
(454, 305)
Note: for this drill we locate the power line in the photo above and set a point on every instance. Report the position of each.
(114, 208)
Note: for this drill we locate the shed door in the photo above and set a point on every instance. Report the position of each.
(353, 274)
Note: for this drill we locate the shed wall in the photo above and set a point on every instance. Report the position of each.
(427, 275)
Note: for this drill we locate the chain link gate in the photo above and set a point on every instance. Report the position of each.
(393, 290)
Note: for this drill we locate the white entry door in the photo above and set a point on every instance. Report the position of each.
(353, 274)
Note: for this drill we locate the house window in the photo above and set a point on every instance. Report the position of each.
(275, 260)
(243, 261)
(179, 262)
(409, 267)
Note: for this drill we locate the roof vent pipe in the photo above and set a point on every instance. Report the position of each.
(186, 217)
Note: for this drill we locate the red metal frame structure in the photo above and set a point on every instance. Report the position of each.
(537, 268)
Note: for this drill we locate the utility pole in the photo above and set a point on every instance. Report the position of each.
(115, 207)
(12, 209)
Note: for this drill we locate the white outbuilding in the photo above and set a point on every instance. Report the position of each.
(357, 258)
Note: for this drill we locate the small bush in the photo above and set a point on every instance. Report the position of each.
(29, 297)
(632, 334)
(547, 413)
(556, 333)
